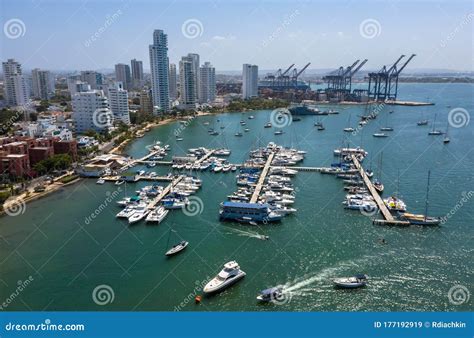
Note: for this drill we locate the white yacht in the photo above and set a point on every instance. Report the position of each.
(228, 276)
(157, 215)
(140, 213)
(127, 212)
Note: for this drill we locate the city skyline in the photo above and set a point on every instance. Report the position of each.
(271, 35)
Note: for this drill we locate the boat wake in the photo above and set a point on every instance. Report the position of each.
(304, 284)
(251, 234)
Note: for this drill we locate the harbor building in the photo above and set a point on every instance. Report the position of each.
(91, 111)
(137, 74)
(15, 88)
(249, 81)
(159, 71)
(122, 74)
(207, 90)
(118, 99)
(42, 84)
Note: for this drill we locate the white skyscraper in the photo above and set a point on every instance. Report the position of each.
(118, 100)
(15, 89)
(207, 77)
(187, 86)
(173, 82)
(137, 74)
(42, 84)
(249, 81)
(159, 70)
(122, 74)
(91, 111)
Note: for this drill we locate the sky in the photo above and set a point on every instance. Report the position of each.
(79, 35)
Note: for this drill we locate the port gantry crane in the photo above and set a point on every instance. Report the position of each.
(296, 74)
(383, 85)
(339, 82)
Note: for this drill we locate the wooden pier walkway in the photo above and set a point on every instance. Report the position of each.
(205, 157)
(262, 177)
(389, 219)
(165, 192)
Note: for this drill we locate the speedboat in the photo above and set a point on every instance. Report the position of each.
(369, 173)
(395, 204)
(378, 186)
(177, 248)
(157, 215)
(100, 181)
(140, 213)
(228, 276)
(269, 295)
(356, 281)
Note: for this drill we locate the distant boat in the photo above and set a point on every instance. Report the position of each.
(321, 127)
(435, 131)
(251, 117)
(422, 123)
(246, 129)
(268, 125)
(179, 139)
(348, 130)
(386, 129)
(238, 134)
(269, 295)
(380, 135)
(296, 119)
(278, 132)
(446, 137)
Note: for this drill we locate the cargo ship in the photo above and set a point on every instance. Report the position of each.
(305, 109)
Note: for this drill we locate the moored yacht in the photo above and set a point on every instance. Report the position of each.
(229, 275)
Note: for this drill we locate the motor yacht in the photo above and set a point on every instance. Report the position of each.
(230, 274)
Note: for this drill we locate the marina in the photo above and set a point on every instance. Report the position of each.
(314, 241)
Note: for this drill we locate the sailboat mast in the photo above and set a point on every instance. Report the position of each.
(427, 192)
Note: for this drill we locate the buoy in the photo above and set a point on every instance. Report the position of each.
(198, 299)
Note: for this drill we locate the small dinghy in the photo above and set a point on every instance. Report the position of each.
(177, 248)
(353, 282)
(269, 295)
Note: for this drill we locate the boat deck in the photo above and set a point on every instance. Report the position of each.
(388, 218)
(262, 177)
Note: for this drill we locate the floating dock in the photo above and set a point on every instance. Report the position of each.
(165, 192)
(205, 157)
(388, 218)
(261, 179)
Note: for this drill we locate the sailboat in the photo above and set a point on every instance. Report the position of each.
(386, 128)
(349, 129)
(175, 249)
(377, 183)
(423, 121)
(435, 131)
(422, 219)
(446, 137)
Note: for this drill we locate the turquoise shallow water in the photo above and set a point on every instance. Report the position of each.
(68, 257)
